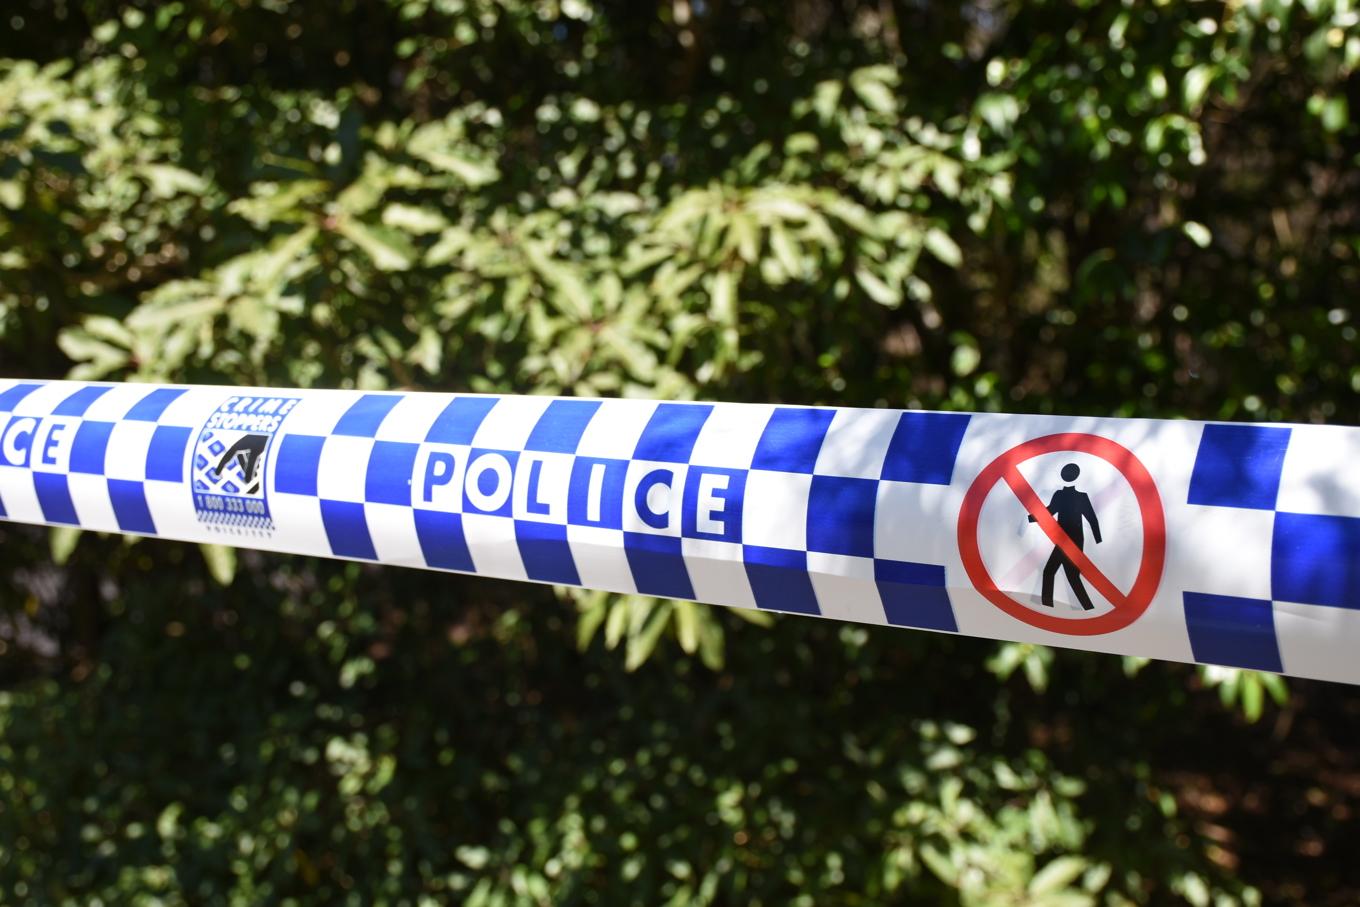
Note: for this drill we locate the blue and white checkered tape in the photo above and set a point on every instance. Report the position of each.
(914, 519)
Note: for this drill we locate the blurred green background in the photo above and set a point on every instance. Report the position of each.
(1146, 209)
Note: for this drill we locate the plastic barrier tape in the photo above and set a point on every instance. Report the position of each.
(1228, 544)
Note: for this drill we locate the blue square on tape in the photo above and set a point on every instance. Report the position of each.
(10, 398)
(459, 421)
(792, 439)
(1232, 631)
(560, 427)
(151, 407)
(779, 580)
(130, 507)
(914, 595)
(442, 540)
(3, 512)
(841, 516)
(90, 445)
(80, 401)
(391, 466)
(924, 446)
(658, 565)
(299, 460)
(165, 456)
(671, 432)
(546, 553)
(363, 418)
(1315, 560)
(54, 496)
(347, 529)
(1239, 466)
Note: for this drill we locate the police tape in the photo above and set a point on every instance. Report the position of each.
(1227, 544)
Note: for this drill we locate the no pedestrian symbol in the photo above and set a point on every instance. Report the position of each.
(1062, 522)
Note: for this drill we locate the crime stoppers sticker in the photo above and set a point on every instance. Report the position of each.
(229, 462)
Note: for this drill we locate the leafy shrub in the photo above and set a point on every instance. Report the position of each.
(1058, 206)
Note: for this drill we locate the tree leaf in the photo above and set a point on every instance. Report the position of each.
(1198, 233)
(1336, 114)
(272, 268)
(687, 625)
(271, 203)
(167, 181)
(723, 306)
(877, 96)
(571, 295)
(826, 96)
(940, 865)
(12, 194)
(878, 291)
(63, 541)
(413, 219)
(754, 616)
(1196, 84)
(98, 355)
(786, 251)
(711, 648)
(617, 622)
(388, 249)
(221, 562)
(943, 247)
(642, 643)
(473, 172)
(1057, 875)
(592, 616)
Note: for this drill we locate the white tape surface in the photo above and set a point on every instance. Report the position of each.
(1219, 543)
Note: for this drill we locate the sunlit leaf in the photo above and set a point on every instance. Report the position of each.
(389, 249)
(1198, 233)
(877, 289)
(221, 561)
(413, 219)
(943, 247)
(1057, 875)
(63, 541)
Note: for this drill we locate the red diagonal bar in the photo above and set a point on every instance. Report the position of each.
(1031, 501)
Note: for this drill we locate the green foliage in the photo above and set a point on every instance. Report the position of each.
(1074, 206)
(1246, 689)
(320, 734)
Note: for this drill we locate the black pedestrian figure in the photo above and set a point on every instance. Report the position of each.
(247, 451)
(1069, 507)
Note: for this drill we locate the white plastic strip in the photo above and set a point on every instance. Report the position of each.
(1219, 543)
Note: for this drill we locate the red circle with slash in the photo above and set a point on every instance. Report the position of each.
(1128, 606)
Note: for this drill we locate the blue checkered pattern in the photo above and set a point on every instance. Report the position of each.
(1269, 473)
(625, 495)
(94, 456)
(849, 514)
